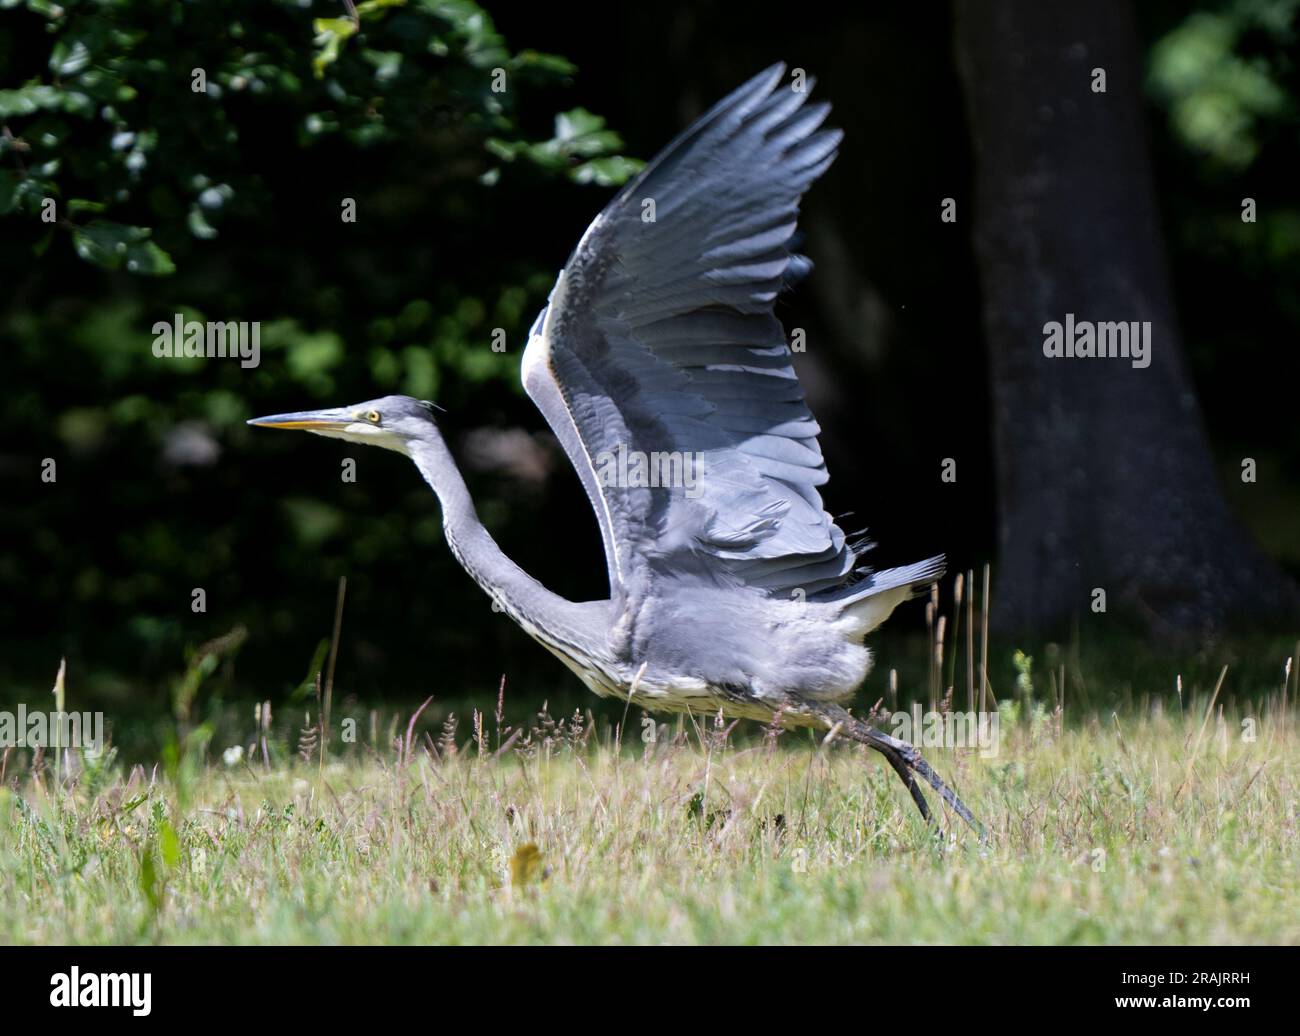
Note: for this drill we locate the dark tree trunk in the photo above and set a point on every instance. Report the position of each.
(1104, 474)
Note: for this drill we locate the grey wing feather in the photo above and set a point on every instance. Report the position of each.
(660, 338)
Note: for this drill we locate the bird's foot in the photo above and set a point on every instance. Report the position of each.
(907, 762)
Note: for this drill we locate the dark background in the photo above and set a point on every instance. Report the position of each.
(162, 489)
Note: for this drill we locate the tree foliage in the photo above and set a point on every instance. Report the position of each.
(203, 159)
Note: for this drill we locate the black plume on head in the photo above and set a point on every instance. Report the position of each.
(405, 406)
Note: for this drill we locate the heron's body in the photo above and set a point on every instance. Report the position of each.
(704, 650)
(731, 588)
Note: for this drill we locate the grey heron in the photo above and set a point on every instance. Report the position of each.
(731, 589)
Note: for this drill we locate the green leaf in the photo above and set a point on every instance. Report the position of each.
(105, 244)
(116, 245)
(69, 57)
(505, 150)
(29, 99)
(27, 194)
(576, 123)
(46, 9)
(330, 34)
(369, 7)
(148, 878)
(148, 260)
(170, 844)
(551, 63)
(84, 206)
(199, 225)
(579, 134)
(387, 63)
(612, 171)
(78, 102)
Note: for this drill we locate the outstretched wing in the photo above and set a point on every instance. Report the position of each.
(659, 359)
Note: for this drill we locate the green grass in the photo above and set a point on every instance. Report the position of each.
(1149, 828)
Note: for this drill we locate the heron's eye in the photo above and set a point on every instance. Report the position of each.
(372, 416)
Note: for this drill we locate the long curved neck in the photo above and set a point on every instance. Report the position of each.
(544, 615)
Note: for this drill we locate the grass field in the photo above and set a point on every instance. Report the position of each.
(1155, 826)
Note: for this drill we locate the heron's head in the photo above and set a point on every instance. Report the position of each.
(392, 422)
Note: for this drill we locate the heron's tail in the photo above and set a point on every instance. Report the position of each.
(873, 599)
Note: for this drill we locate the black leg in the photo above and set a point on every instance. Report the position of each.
(906, 761)
(909, 780)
